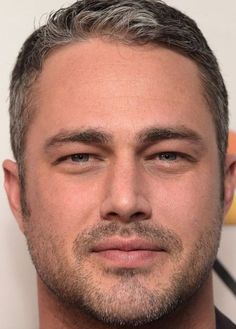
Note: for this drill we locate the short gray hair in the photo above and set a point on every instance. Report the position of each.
(136, 22)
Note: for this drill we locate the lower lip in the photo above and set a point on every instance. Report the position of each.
(129, 259)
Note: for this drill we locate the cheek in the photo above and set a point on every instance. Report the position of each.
(64, 202)
(189, 204)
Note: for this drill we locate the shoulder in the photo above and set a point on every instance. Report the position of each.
(222, 322)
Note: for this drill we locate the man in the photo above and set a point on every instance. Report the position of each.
(119, 127)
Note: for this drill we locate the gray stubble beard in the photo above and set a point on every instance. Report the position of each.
(83, 295)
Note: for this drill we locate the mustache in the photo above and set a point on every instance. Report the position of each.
(164, 237)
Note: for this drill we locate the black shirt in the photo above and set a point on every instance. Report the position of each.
(222, 322)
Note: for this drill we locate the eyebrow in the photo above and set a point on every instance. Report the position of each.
(86, 136)
(156, 134)
(146, 137)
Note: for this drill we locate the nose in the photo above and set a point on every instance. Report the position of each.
(126, 199)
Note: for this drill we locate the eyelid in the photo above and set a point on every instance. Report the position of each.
(181, 155)
(69, 156)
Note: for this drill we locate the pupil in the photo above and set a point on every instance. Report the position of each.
(80, 157)
(168, 156)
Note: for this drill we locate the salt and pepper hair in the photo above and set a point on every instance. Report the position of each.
(132, 22)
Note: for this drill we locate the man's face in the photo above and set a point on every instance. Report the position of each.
(122, 180)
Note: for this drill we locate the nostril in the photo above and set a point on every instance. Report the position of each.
(113, 214)
(135, 209)
(138, 215)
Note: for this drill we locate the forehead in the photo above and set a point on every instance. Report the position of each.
(96, 62)
(110, 85)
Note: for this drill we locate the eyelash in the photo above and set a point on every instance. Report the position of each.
(76, 155)
(178, 155)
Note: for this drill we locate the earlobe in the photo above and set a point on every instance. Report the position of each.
(12, 187)
(230, 180)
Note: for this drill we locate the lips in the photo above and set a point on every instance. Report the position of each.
(127, 253)
(125, 245)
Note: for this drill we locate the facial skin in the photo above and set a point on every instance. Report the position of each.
(122, 181)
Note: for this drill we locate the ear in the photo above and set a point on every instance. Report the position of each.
(12, 187)
(230, 180)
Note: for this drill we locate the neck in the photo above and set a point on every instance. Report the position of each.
(197, 313)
